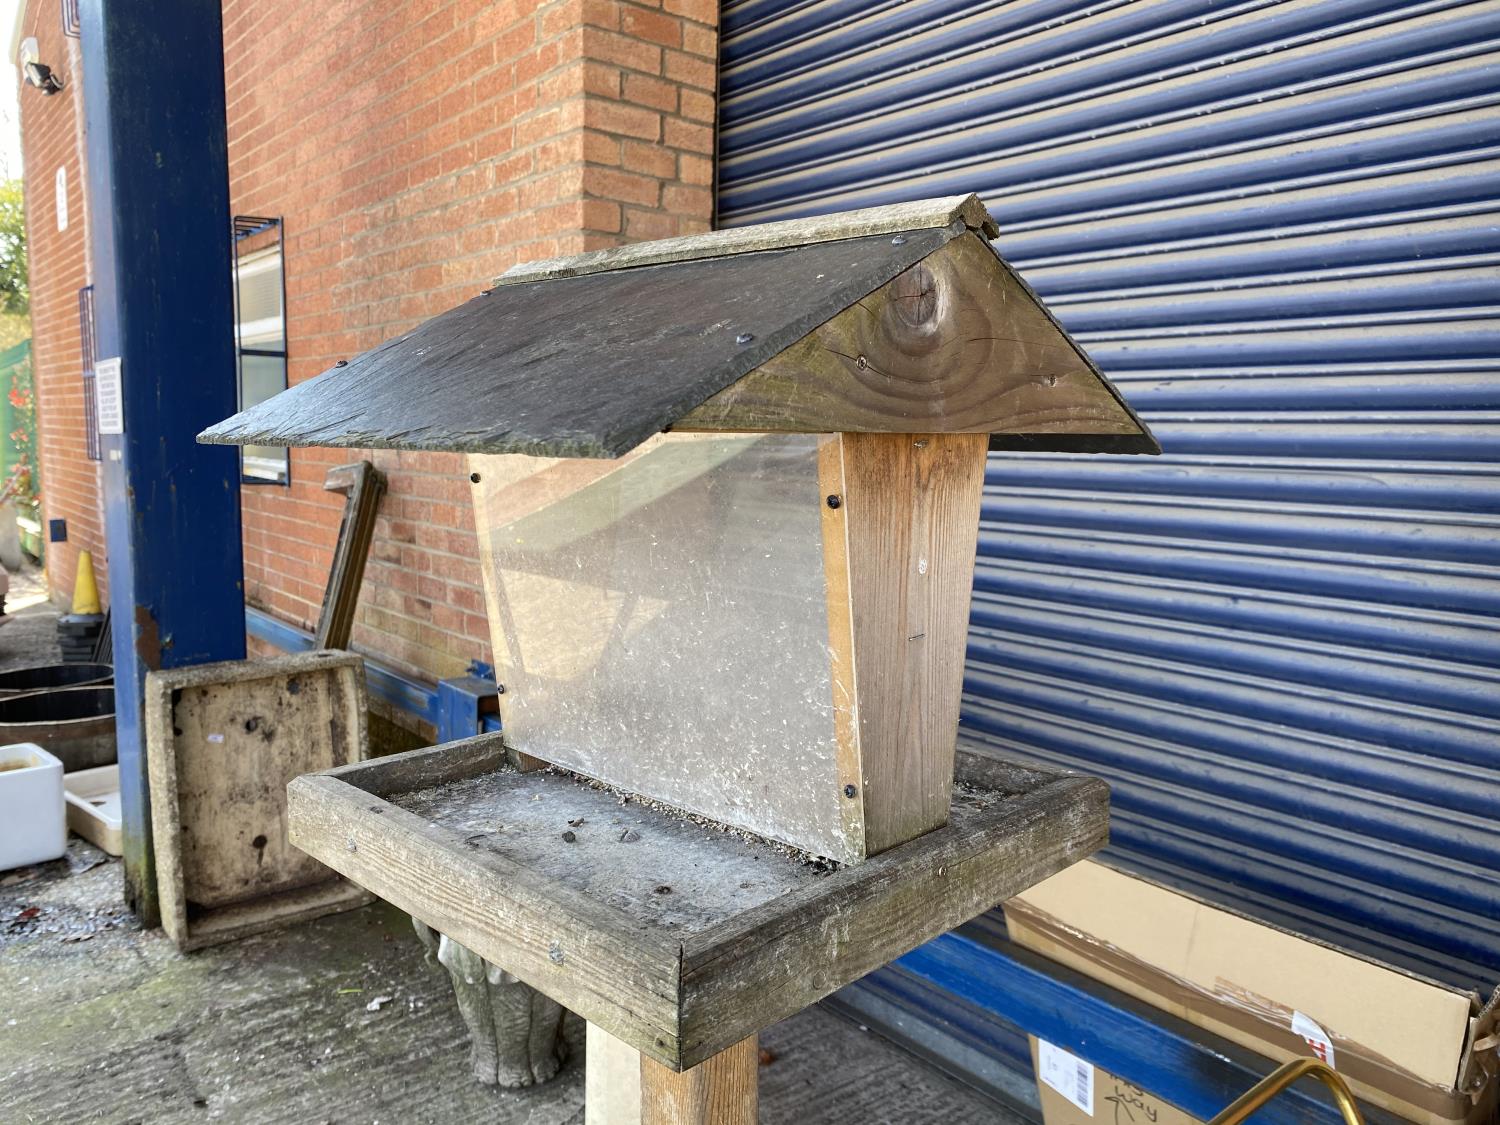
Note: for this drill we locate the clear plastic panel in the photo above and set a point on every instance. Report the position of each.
(660, 622)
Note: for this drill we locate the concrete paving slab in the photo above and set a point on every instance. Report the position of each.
(338, 1020)
(28, 631)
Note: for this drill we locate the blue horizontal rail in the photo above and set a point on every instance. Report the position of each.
(415, 697)
(1194, 1070)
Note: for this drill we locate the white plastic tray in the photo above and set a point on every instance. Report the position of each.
(93, 798)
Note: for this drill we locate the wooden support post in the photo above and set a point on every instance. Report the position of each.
(900, 526)
(612, 1080)
(624, 1087)
(721, 1090)
(363, 484)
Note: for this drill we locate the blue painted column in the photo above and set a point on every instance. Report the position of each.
(158, 203)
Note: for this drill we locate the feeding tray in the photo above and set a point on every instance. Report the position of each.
(675, 935)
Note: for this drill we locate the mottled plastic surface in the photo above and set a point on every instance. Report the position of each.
(660, 623)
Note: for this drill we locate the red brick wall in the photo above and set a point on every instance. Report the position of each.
(414, 151)
(52, 138)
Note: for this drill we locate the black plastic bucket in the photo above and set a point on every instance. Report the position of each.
(74, 724)
(46, 677)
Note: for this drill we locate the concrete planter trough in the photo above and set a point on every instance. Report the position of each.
(75, 724)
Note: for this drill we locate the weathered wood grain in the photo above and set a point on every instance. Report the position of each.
(891, 219)
(922, 329)
(586, 955)
(835, 529)
(364, 485)
(898, 618)
(681, 981)
(956, 344)
(427, 766)
(721, 1090)
(222, 741)
(770, 962)
(1001, 776)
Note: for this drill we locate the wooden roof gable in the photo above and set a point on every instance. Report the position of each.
(892, 319)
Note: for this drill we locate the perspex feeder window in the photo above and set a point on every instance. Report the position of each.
(661, 624)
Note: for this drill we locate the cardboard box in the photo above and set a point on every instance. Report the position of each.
(1423, 1050)
(1074, 1096)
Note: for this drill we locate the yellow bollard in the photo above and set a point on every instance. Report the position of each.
(85, 591)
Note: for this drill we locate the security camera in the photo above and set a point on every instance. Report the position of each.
(38, 73)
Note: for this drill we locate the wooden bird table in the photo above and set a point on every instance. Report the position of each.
(676, 936)
(727, 495)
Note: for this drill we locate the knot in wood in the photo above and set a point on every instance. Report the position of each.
(907, 338)
(914, 298)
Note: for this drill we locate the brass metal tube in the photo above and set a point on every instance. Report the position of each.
(1282, 1077)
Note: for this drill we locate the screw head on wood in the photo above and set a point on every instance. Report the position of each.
(834, 502)
(744, 338)
(342, 363)
(473, 478)
(849, 790)
(899, 240)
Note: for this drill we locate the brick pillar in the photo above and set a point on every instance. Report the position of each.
(649, 84)
(414, 151)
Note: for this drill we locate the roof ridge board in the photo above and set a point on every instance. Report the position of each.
(921, 214)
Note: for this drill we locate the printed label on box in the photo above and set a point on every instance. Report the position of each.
(108, 400)
(1316, 1037)
(1066, 1073)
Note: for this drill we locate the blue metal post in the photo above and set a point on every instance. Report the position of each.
(158, 195)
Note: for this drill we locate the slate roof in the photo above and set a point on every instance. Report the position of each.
(590, 355)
